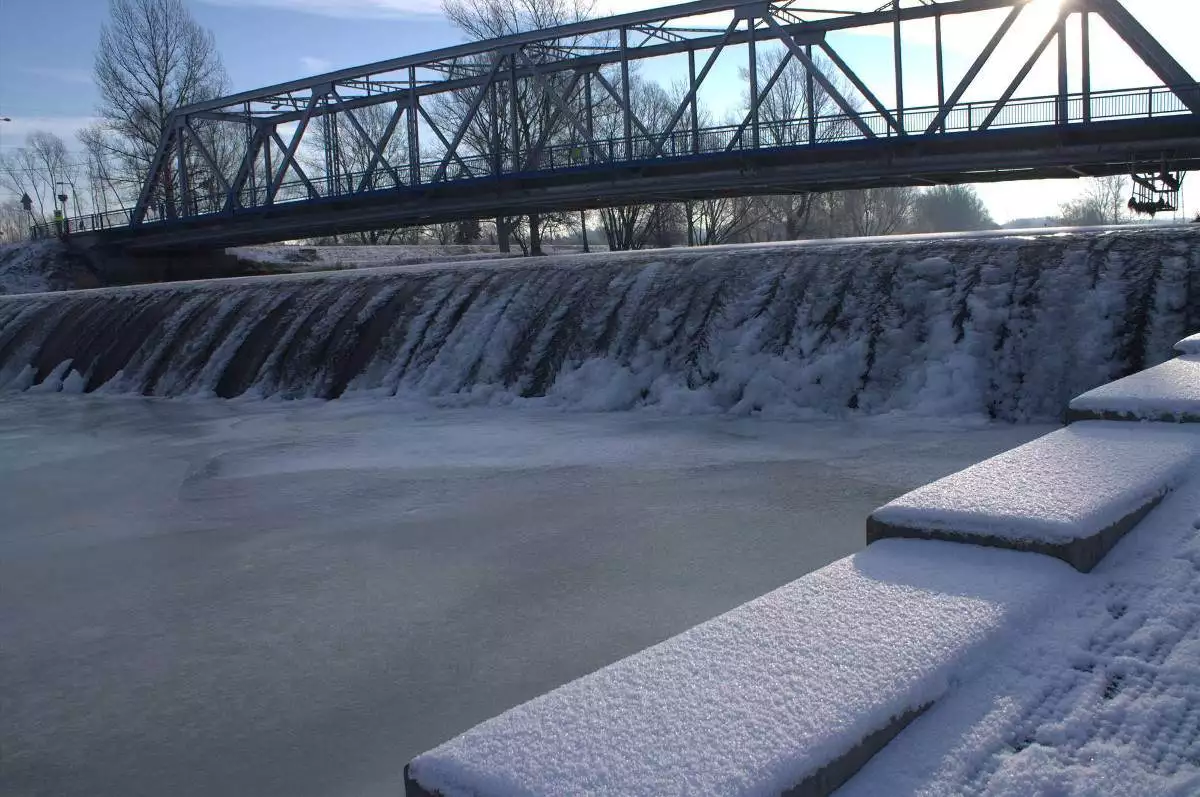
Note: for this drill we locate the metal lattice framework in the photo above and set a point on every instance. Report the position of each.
(549, 119)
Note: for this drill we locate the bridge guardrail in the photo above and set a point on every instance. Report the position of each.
(969, 117)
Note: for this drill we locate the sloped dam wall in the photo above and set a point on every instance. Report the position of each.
(1009, 326)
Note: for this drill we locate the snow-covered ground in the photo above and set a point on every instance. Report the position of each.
(42, 266)
(1101, 698)
(295, 598)
(297, 258)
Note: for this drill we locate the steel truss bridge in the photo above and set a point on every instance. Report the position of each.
(554, 120)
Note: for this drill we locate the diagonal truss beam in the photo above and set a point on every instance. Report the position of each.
(561, 109)
(165, 143)
(1055, 30)
(295, 165)
(377, 155)
(206, 155)
(535, 154)
(452, 148)
(384, 140)
(973, 72)
(762, 95)
(695, 87)
(1153, 54)
(857, 82)
(820, 77)
(616, 95)
(437, 131)
(289, 151)
(257, 141)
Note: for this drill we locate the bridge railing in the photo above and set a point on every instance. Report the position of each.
(965, 118)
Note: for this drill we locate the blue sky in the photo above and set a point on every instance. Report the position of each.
(46, 53)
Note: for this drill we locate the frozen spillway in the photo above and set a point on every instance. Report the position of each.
(1011, 326)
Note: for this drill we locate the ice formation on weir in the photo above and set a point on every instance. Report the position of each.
(1012, 327)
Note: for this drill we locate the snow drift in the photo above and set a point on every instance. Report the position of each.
(1009, 326)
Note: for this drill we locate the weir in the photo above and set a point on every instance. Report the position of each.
(1009, 326)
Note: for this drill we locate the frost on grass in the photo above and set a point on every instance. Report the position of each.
(1100, 698)
(1068, 485)
(1170, 391)
(754, 701)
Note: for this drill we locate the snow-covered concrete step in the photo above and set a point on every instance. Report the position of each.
(788, 694)
(1071, 494)
(1168, 392)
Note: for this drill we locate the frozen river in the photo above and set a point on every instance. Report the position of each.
(202, 598)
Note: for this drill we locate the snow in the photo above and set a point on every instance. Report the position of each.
(1189, 345)
(1102, 697)
(24, 267)
(293, 599)
(299, 259)
(1009, 327)
(1068, 485)
(1170, 391)
(752, 702)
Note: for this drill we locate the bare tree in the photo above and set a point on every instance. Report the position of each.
(14, 222)
(41, 169)
(784, 113)
(867, 211)
(153, 58)
(634, 226)
(950, 208)
(1103, 201)
(536, 121)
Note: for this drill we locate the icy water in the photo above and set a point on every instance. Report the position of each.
(260, 598)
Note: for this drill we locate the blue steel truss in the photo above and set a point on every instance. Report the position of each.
(551, 120)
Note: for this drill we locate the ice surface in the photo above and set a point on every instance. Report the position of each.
(752, 702)
(1101, 698)
(292, 599)
(1068, 485)
(1170, 391)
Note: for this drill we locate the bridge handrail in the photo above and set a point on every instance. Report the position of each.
(966, 117)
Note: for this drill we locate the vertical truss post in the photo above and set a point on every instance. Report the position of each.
(181, 166)
(1086, 56)
(1023, 72)
(695, 88)
(973, 72)
(1064, 90)
(695, 109)
(289, 153)
(251, 145)
(414, 128)
(751, 22)
(826, 85)
(494, 132)
(247, 170)
(626, 95)
(941, 66)
(269, 173)
(810, 97)
(590, 125)
(898, 53)
(514, 130)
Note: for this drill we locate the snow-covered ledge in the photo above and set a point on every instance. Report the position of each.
(1071, 494)
(1169, 392)
(792, 693)
(788, 694)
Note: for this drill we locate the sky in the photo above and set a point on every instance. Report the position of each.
(46, 58)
